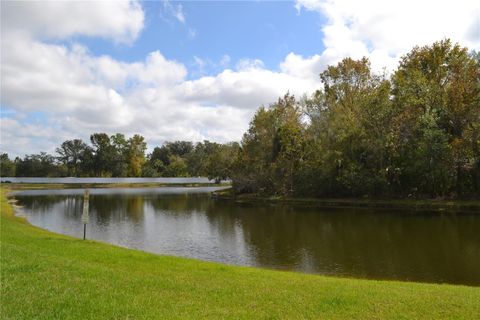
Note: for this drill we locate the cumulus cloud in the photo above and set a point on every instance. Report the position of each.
(247, 88)
(16, 136)
(121, 21)
(81, 93)
(385, 30)
(305, 68)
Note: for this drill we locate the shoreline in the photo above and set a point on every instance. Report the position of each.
(43, 186)
(467, 206)
(440, 206)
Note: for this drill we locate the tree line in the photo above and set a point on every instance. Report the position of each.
(119, 156)
(415, 133)
(412, 133)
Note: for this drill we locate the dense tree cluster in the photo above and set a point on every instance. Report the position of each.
(415, 133)
(184, 159)
(117, 156)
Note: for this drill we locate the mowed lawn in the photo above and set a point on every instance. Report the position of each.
(50, 276)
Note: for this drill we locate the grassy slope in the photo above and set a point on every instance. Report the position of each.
(50, 276)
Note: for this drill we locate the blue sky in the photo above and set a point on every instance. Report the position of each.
(191, 70)
(212, 29)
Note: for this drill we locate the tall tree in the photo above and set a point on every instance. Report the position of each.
(38, 165)
(136, 155)
(348, 125)
(219, 160)
(103, 154)
(438, 85)
(270, 150)
(7, 166)
(119, 158)
(72, 153)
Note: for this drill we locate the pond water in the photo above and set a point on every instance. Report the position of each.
(72, 180)
(365, 243)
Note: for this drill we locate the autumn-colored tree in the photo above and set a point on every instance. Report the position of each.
(271, 150)
(136, 155)
(437, 108)
(348, 127)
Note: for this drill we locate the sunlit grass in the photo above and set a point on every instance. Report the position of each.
(51, 276)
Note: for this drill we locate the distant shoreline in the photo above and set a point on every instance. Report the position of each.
(30, 186)
(467, 206)
(93, 180)
(396, 204)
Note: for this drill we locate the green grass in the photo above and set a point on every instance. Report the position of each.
(50, 276)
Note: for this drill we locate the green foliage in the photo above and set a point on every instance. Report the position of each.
(72, 153)
(177, 167)
(348, 126)
(103, 155)
(118, 156)
(219, 160)
(7, 166)
(135, 154)
(436, 115)
(363, 134)
(38, 165)
(271, 149)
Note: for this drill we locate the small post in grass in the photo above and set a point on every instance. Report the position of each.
(85, 218)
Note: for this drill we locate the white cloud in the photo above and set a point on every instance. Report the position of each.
(54, 78)
(385, 30)
(80, 93)
(249, 64)
(225, 61)
(306, 68)
(157, 71)
(175, 11)
(200, 64)
(16, 137)
(118, 20)
(248, 88)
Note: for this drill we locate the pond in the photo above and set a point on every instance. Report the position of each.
(364, 243)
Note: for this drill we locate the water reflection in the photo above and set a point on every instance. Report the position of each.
(429, 247)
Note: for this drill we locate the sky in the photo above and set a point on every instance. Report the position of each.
(191, 70)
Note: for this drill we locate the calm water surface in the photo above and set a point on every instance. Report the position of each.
(428, 247)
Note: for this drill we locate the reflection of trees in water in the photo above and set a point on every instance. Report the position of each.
(72, 204)
(179, 204)
(116, 207)
(347, 241)
(373, 244)
(104, 208)
(219, 218)
(363, 243)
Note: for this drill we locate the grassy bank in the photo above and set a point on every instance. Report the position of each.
(51, 276)
(411, 204)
